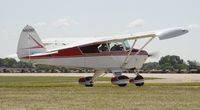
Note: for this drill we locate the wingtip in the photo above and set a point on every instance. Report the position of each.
(170, 33)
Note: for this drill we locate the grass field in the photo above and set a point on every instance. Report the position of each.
(63, 93)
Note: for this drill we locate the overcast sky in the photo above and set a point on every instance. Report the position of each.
(89, 18)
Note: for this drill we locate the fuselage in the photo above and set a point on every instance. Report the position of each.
(90, 56)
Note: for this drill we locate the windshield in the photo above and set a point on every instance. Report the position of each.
(116, 46)
(126, 44)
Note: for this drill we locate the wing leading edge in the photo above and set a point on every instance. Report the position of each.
(161, 34)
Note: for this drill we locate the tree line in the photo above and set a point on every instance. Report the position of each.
(173, 63)
(167, 63)
(8, 65)
(12, 63)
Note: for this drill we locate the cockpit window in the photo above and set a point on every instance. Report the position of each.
(116, 46)
(106, 47)
(126, 44)
(103, 47)
(90, 48)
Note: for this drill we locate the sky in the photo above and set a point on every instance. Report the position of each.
(96, 18)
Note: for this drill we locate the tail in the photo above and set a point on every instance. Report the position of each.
(29, 43)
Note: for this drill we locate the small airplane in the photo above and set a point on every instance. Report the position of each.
(113, 53)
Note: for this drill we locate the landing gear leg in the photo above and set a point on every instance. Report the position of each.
(89, 80)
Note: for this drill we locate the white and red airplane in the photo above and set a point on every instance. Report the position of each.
(102, 54)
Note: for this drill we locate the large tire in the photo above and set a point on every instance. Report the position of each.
(140, 84)
(122, 85)
(139, 81)
(87, 81)
(121, 81)
(89, 85)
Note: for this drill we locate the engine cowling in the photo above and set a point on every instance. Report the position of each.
(87, 81)
(121, 80)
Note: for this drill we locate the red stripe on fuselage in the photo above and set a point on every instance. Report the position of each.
(61, 53)
(76, 52)
(115, 53)
(69, 52)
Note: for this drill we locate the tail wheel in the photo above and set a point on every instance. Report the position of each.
(121, 81)
(138, 80)
(87, 81)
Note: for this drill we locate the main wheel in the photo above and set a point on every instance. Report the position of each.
(121, 81)
(89, 85)
(122, 85)
(138, 80)
(87, 81)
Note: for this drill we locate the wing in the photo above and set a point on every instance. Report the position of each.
(161, 34)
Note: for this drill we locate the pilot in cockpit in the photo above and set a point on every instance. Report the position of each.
(103, 47)
(117, 47)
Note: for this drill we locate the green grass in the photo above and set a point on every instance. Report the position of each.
(35, 81)
(59, 93)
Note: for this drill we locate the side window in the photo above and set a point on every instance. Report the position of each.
(103, 47)
(126, 44)
(116, 46)
(90, 48)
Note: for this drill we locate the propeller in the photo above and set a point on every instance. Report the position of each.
(153, 54)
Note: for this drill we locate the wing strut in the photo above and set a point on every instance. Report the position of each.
(130, 50)
(127, 59)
